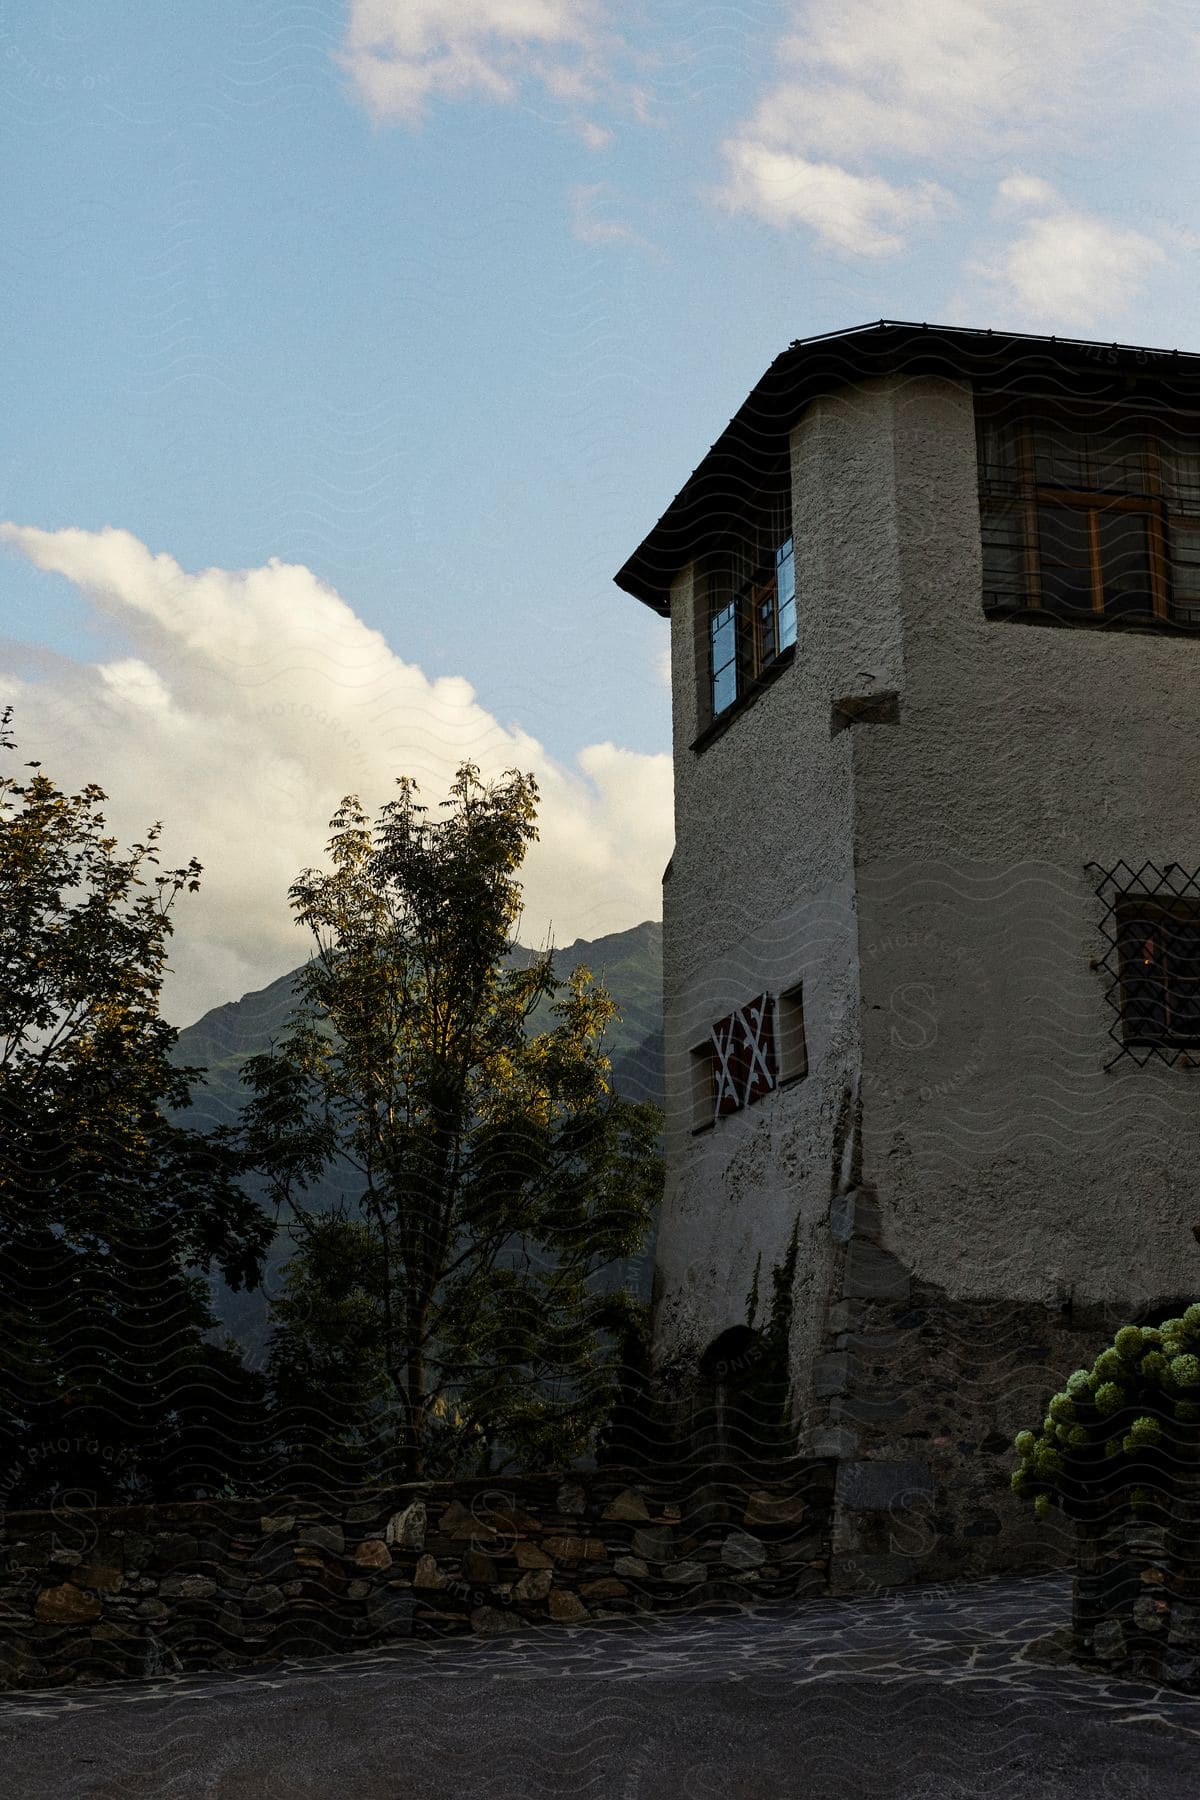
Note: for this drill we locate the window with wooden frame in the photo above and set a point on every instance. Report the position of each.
(1090, 514)
(752, 606)
(792, 1047)
(736, 1065)
(1158, 943)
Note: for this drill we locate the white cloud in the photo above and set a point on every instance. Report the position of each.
(1063, 266)
(874, 103)
(403, 53)
(969, 78)
(586, 198)
(1017, 192)
(861, 215)
(250, 702)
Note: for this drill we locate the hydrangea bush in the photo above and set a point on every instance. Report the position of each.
(1126, 1417)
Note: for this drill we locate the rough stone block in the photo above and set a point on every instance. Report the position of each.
(575, 1549)
(535, 1584)
(493, 1621)
(765, 1508)
(458, 1522)
(531, 1556)
(390, 1612)
(684, 1574)
(406, 1529)
(831, 1374)
(566, 1607)
(880, 1486)
(187, 1587)
(372, 1553)
(324, 1537)
(1150, 1612)
(428, 1575)
(832, 1441)
(874, 1274)
(105, 1578)
(66, 1605)
(742, 1551)
(265, 1598)
(1185, 1625)
(604, 1589)
(655, 1544)
(864, 1409)
(629, 1506)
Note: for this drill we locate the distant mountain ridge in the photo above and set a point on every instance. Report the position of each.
(627, 963)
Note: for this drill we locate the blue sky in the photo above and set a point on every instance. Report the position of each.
(403, 319)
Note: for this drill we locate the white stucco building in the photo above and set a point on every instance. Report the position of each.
(932, 923)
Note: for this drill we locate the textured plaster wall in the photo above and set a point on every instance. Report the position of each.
(1006, 1160)
(902, 820)
(761, 896)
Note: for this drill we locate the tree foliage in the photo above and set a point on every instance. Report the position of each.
(1120, 1425)
(109, 1213)
(492, 1177)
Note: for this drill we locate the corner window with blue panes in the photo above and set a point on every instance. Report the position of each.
(752, 619)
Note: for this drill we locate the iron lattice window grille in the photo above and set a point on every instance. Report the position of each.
(737, 1064)
(1090, 514)
(752, 606)
(1152, 929)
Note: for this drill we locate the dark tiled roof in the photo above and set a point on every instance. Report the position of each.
(719, 489)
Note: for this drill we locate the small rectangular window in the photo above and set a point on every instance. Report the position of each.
(793, 1049)
(736, 1065)
(785, 586)
(752, 621)
(723, 631)
(1159, 949)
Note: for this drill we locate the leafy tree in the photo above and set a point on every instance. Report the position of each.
(492, 1176)
(109, 1213)
(1122, 1427)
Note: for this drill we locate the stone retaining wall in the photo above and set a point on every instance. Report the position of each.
(1136, 1604)
(223, 1584)
(919, 1395)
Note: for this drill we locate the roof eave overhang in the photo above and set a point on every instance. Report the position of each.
(718, 490)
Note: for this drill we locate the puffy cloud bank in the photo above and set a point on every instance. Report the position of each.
(247, 702)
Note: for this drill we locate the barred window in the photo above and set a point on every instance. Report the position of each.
(1159, 948)
(1088, 515)
(1151, 927)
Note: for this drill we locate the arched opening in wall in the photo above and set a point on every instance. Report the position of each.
(727, 1426)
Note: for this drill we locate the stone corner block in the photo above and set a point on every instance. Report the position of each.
(879, 1486)
(874, 1274)
(855, 1214)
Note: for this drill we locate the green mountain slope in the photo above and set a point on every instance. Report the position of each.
(629, 963)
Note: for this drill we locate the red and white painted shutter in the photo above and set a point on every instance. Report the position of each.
(744, 1066)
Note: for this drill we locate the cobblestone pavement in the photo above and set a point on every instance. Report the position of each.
(912, 1695)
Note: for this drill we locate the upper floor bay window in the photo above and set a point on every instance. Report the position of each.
(1088, 516)
(752, 609)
